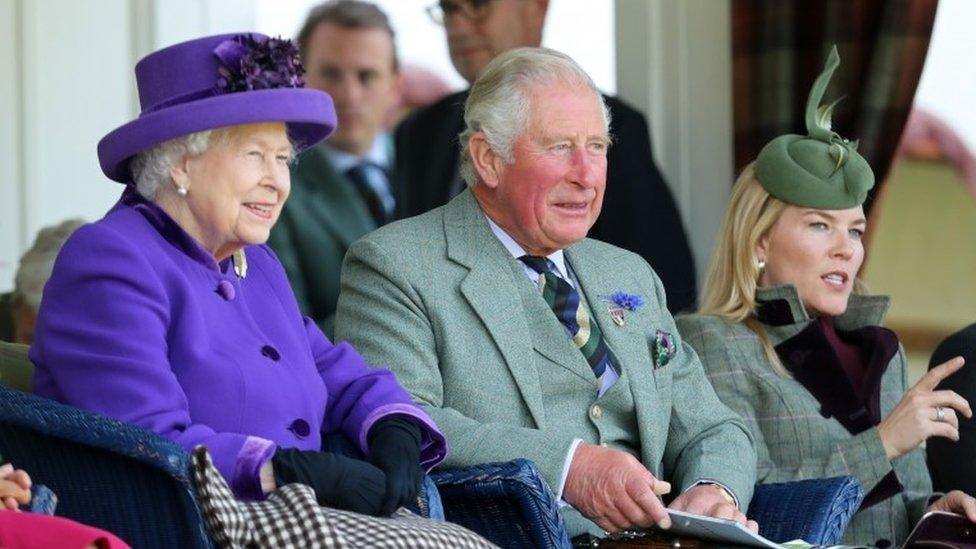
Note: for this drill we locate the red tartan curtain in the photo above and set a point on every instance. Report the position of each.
(779, 48)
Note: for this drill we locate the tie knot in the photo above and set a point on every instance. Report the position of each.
(358, 173)
(539, 264)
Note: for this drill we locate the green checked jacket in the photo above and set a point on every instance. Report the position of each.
(795, 440)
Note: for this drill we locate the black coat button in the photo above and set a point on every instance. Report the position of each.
(300, 427)
(271, 353)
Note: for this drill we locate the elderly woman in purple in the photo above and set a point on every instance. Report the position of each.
(172, 314)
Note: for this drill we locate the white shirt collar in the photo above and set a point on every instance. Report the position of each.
(517, 251)
(378, 153)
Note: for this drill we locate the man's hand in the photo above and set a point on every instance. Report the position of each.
(614, 490)
(956, 502)
(711, 500)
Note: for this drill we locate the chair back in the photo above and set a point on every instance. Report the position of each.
(106, 473)
(815, 510)
(507, 503)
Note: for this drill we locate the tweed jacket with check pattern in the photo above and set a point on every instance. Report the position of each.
(793, 438)
(439, 300)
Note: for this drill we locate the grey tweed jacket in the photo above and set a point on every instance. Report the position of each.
(439, 300)
(793, 438)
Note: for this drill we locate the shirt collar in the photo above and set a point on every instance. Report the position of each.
(517, 251)
(378, 153)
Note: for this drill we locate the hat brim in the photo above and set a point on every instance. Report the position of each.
(308, 114)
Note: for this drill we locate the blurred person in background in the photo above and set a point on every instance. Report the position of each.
(18, 309)
(951, 462)
(419, 87)
(344, 187)
(639, 212)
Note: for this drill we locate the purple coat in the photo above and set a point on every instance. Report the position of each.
(140, 323)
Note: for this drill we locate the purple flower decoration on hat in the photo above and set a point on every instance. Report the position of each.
(631, 302)
(257, 63)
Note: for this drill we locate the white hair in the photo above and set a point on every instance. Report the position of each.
(37, 262)
(498, 103)
(150, 168)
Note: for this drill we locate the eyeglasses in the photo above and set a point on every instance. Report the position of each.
(472, 10)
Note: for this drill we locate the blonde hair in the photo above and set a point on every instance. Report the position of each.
(733, 274)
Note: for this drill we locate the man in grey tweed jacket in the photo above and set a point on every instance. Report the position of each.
(607, 401)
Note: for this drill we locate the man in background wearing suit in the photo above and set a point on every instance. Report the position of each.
(639, 213)
(343, 188)
(523, 338)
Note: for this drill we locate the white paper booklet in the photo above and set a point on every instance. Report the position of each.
(713, 529)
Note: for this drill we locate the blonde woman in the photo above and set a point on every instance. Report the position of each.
(789, 343)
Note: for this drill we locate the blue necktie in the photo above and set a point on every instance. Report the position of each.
(564, 301)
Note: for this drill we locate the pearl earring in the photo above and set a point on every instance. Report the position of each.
(761, 264)
(181, 190)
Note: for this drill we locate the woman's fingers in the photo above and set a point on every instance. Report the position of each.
(11, 504)
(953, 400)
(944, 429)
(933, 377)
(21, 478)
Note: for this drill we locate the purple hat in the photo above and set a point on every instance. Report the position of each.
(214, 82)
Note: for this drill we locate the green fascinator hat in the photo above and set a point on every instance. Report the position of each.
(820, 170)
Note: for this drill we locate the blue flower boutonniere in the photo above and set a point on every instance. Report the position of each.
(619, 302)
(631, 302)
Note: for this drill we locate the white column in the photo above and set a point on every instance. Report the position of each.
(674, 62)
(11, 176)
(178, 20)
(68, 80)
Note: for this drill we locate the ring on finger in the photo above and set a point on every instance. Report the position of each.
(940, 414)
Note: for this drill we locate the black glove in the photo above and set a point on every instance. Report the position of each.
(394, 447)
(338, 481)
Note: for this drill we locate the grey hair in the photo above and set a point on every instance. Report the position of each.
(150, 168)
(37, 262)
(498, 103)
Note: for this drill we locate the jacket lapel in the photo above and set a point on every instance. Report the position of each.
(627, 342)
(491, 290)
(342, 210)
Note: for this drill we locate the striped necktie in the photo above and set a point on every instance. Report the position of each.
(564, 301)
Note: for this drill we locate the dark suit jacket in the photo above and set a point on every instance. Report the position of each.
(951, 463)
(323, 216)
(639, 213)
